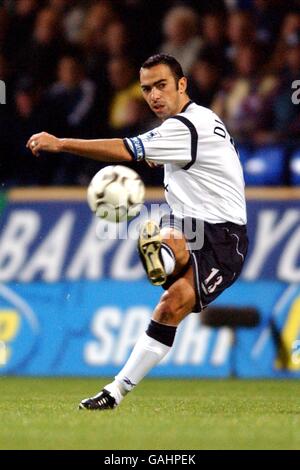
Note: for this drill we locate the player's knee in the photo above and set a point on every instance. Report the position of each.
(167, 309)
(182, 258)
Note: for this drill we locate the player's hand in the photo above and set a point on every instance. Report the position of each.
(43, 141)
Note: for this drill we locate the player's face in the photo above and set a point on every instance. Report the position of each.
(161, 92)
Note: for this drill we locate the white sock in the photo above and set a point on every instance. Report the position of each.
(116, 390)
(168, 259)
(145, 355)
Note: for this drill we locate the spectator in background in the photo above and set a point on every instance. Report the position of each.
(138, 15)
(213, 30)
(240, 33)
(290, 24)
(28, 115)
(244, 101)
(73, 22)
(92, 44)
(72, 13)
(204, 80)
(117, 39)
(21, 26)
(98, 16)
(60, 6)
(181, 30)
(214, 38)
(72, 107)
(138, 117)
(71, 98)
(125, 89)
(267, 15)
(285, 110)
(40, 55)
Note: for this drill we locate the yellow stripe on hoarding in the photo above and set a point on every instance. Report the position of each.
(289, 335)
(9, 324)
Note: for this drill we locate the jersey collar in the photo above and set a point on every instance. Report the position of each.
(186, 106)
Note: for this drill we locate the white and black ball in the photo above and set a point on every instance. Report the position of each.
(116, 193)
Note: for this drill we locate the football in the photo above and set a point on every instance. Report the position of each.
(116, 193)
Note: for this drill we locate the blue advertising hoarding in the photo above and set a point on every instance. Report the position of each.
(73, 300)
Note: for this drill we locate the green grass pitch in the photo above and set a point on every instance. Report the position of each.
(159, 414)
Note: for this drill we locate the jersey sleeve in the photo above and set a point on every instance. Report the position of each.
(169, 143)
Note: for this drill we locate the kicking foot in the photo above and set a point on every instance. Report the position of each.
(150, 241)
(103, 401)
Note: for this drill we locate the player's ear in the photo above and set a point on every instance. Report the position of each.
(182, 85)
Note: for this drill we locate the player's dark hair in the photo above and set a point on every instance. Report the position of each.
(168, 60)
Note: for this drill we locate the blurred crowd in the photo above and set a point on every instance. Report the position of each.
(71, 68)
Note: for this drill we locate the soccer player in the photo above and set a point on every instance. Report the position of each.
(204, 187)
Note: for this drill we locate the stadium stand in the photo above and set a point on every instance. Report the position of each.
(265, 166)
(242, 58)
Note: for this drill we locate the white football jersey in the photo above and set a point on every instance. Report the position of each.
(203, 174)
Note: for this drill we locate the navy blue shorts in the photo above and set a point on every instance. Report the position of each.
(218, 262)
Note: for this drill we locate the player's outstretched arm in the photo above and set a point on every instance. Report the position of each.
(105, 150)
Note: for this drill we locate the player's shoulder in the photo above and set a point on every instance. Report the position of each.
(194, 109)
(194, 115)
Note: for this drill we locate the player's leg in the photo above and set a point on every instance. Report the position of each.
(163, 252)
(175, 304)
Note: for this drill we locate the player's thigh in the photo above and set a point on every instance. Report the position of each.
(178, 301)
(177, 242)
